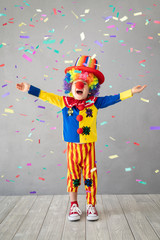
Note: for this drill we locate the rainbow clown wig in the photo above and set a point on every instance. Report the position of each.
(86, 69)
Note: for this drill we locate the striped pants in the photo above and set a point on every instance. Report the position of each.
(81, 158)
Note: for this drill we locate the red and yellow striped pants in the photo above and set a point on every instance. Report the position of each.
(81, 157)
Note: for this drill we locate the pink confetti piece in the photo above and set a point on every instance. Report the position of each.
(111, 26)
(29, 164)
(55, 12)
(158, 22)
(40, 178)
(53, 127)
(27, 58)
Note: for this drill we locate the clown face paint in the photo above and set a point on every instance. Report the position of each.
(80, 89)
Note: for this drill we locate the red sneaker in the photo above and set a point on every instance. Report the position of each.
(92, 214)
(74, 213)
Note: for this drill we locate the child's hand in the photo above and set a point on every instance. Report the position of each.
(24, 87)
(138, 89)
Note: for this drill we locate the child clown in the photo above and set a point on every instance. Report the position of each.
(82, 83)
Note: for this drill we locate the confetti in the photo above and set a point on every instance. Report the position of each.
(2, 65)
(158, 22)
(49, 41)
(123, 18)
(103, 123)
(55, 12)
(27, 58)
(74, 14)
(157, 171)
(6, 94)
(41, 107)
(155, 128)
(82, 36)
(128, 169)
(144, 100)
(7, 110)
(112, 139)
(113, 156)
(93, 169)
(136, 143)
(137, 14)
(40, 178)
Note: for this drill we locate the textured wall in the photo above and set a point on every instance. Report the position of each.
(38, 40)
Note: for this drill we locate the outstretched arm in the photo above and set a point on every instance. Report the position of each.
(45, 96)
(138, 89)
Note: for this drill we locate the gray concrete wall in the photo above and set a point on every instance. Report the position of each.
(120, 44)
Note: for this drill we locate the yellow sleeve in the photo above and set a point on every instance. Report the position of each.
(126, 94)
(52, 98)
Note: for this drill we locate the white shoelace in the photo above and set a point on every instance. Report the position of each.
(91, 209)
(75, 208)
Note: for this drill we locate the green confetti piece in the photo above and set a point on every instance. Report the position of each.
(37, 47)
(142, 65)
(106, 145)
(51, 31)
(63, 178)
(158, 94)
(49, 48)
(106, 41)
(49, 41)
(1, 45)
(110, 5)
(59, 112)
(142, 182)
(103, 123)
(83, 20)
(21, 48)
(61, 41)
(121, 41)
(2, 14)
(117, 14)
(56, 51)
(113, 9)
(128, 169)
(11, 181)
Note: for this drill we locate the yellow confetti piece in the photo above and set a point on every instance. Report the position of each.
(106, 34)
(38, 10)
(113, 156)
(17, 100)
(51, 152)
(8, 110)
(4, 44)
(21, 24)
(112, 139)
(67, 61)
(87, 11)
(144, 100)
(157, 171)
(3, 114)
(93, 169)
(27, 139)
(2, 176)
(93, 56)
(74, 14)
(123, 18)
(137, 14)
(115, 18)
(78, 50)
(45, 75)
(158, 34)
(46, 19)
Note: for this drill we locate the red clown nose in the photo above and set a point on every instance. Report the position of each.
(79, 85)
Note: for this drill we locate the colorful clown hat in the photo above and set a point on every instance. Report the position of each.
(88, 64)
